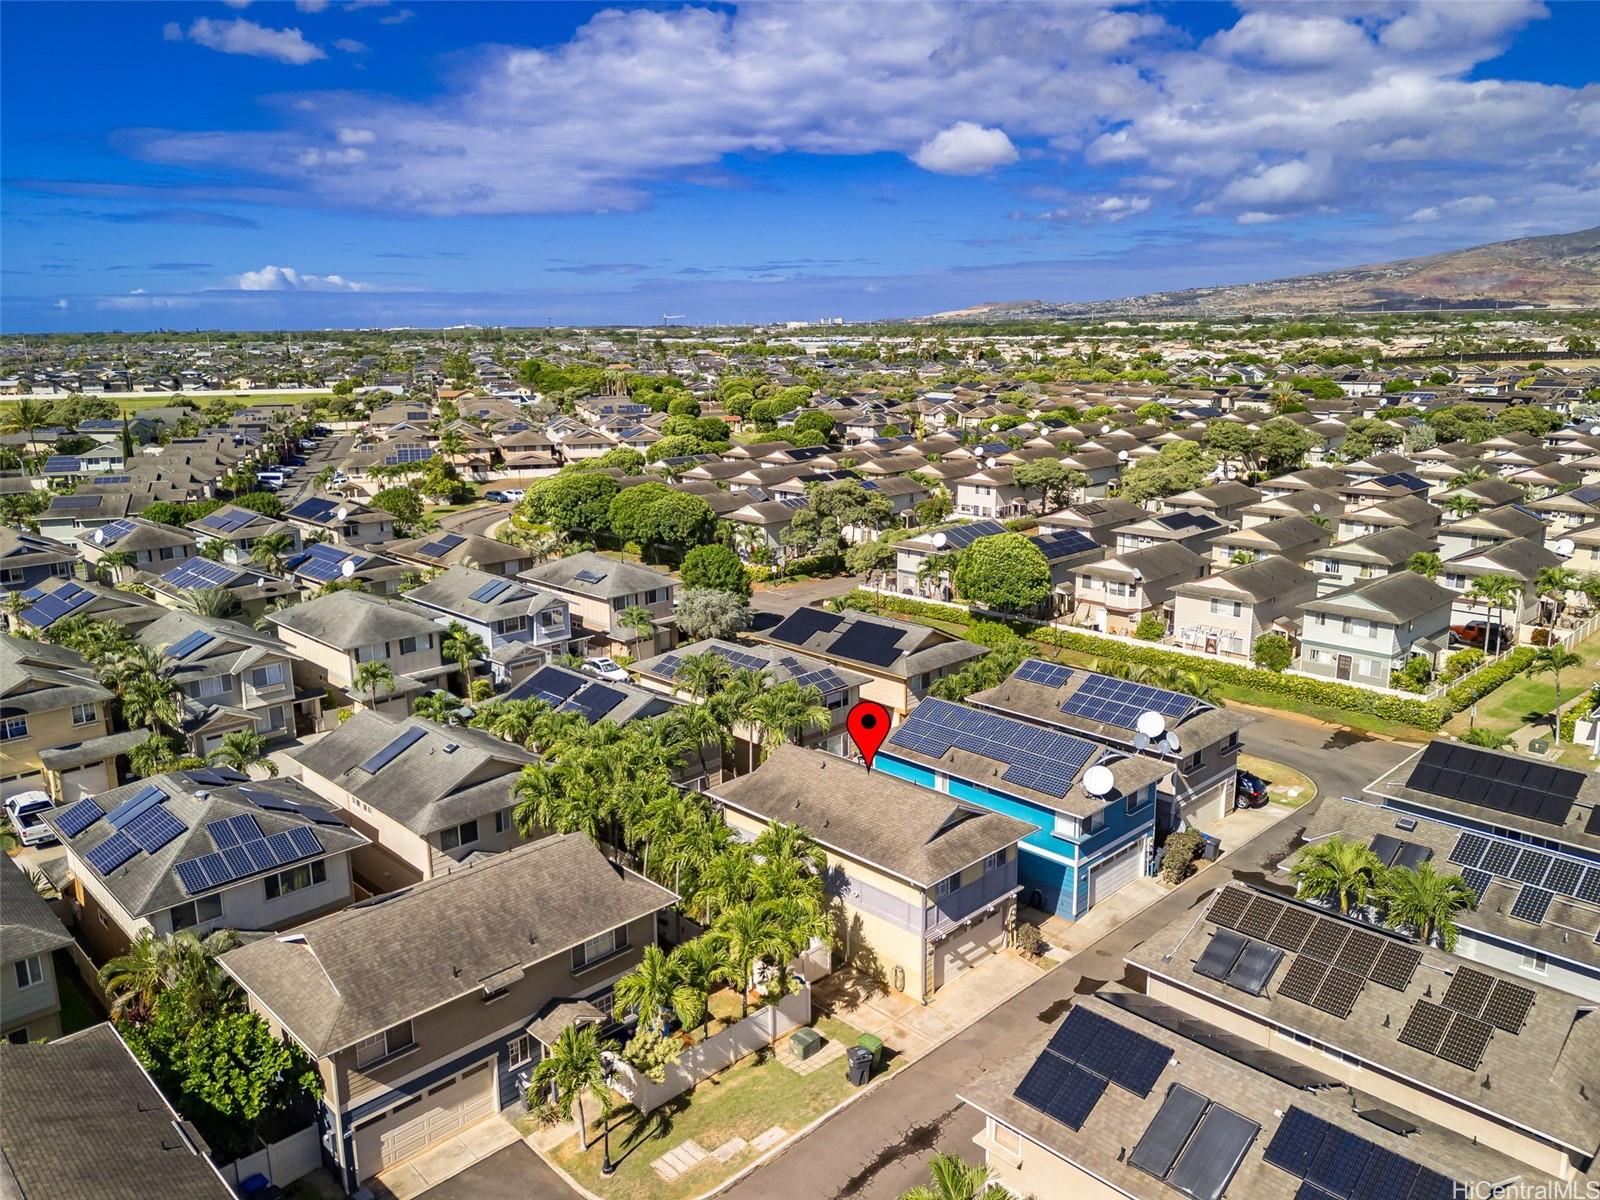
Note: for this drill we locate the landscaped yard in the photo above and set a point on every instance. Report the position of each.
(744, 1101)
(1526, 698)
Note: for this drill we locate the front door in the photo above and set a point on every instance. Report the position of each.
(1342, 668)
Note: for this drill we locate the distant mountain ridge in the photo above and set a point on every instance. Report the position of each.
(1557, 271)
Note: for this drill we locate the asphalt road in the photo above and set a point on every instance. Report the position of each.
(515, 1173)
(330, 451)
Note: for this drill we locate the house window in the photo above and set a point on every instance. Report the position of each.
(514, 625)
(996, 860)
(1066, 826)
(195, 912)
(368, 653)
(1093, 823)
(502, 820)
(520, 1051)
(169, 552)
(408, 645)
(13, 729)
(1132, 803)
(459, 835)
(270, 721)
(84, 714)
(596, 948)
(11, 576)
(30, 971)
(18, 1037)
(296, 879)
(214, 685)
(1005, 1138)
(381, 1046)
(945, 886)
(1535, 962)
(268, 676)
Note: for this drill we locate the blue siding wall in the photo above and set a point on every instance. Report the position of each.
(1063, 886)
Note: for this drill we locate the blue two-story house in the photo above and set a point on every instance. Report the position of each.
(522, 626)
(1089, 841)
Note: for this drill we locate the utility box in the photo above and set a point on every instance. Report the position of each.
(805, 1043)
(1539, 746)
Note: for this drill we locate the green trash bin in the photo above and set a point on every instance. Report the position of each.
(868, 1041)
(805, 1043)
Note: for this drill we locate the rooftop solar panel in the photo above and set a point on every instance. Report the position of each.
(1168, 1132)
(1531, 904)
(1340, 1162)
(868, 641)
(1291, 930)
(1296, 1142)
(1337, 995)
(1048, 674)
(1508, 1006)
(112, 533)
(192, 876)
(188, 645)
(1303, 978)
(1531, 867)
(594, 702)
(78, 818)
(1425, 1027)
(1119, 702)
(1255, 968)
(1228, 907)
(1221, 954)
(1464, 1042)
(1477, 880)
(490, 590)
(1075, 1099)
(802, 624)
(154, 828)
(111, 853)
(1208, 1163)
(1395, 966)
(134, 805)
(313, 509)
(959, 537)
(393, 750)
(1261, 916)
(1043, 760)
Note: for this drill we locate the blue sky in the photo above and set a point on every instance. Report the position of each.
(327, 163)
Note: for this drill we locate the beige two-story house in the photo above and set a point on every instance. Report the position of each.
(30, 934)
(54, 728)
(598, 590)
(333, 635)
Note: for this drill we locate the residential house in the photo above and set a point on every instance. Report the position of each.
(1088, 843)
(342, 522)
(421, 1010)
(129, 1142)
(1225, 501)
(926, 886)
(1312, 502)
(427, 796)
(253, 590)
(1199, 781)
(1517, 1081)
(1404, 512)
(324, 564)
(913, 578)
(1195, 531)
(1111, 596)
(1521, 560)
(154, 547)
(441, 551)
(760, 526)
(522, 627)
(1294, 539)
(991, 493)
(26, 559)
(839, 689)
(1361, 633)
(1224, 614)
(599, 590)
(201, 850)
(900, 660)
(30, 934)
(1099, 520)
(1486, 529)
(1369, 557)
(54, 725)
(238, 529)
(332, 636)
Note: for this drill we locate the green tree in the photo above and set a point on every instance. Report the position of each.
(571, 1069)
(709, 613)
(1050, 478)
(1179, 467)
(400, 503)
(265, 503)
(270, 550)
(955, 1179)
(1005, 572)
(787, 710)
(1344, 870)
(748, 932)
(572, 502)
(1423, 899)
(1272, 652)
(715, 566)
(654, 515)
(1425, 563)
(462, 646)
(1281, 445)
(1553, 660)
(217, 602)
(654, 988)
(1496, 592)
(372, 675)
(637, 621)
(243, 749)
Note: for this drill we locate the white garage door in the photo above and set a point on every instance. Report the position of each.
(445, 1109)
(86, 781)
(965, 948)
(1121, 869)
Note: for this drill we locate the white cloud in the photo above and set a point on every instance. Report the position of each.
(1465, 206)
(965, 149)
(352, 136)
(311, 6)
(1285, 38)
(237, 3)
(287, 279)
(239, 36)
(1289, 184)
(1255, 217)
(350, 46)
(62, 304)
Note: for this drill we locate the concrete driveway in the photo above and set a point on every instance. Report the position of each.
(514, 1173)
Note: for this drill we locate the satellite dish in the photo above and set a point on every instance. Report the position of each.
(990, 462)
(1594, 430)
(1172, 741)
(1152, 724)
(940, 541)
(347, 568)
(995, 428)
(99, 537)
(1105, 429)
(1140, 742)
(1098, 780)
(1316, 508)
(342, 512)
(1122, 456)
(1565, 547)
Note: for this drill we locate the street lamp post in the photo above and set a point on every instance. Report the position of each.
(607, 1167)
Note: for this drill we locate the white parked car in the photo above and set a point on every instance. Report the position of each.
(516, 495)
(26, 810)
(605, 668)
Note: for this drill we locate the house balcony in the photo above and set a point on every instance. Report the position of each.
(947, 912)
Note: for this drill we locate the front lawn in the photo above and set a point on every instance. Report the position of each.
(1281, 781)
(744, 1101)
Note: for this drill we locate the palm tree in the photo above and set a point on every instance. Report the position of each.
(1425, 563)
(462, 645)
(572, 1067)
(749, 932)
(937, 568)
(1496, 593)
(1423, 899)
(1471, 473)
(1459, 506)
(243, 749)
(152, 756)
(1489, 739)
(725, 882)
(439, 706)
(702, 675)
(701, 968)
(787, 710)
(637, 620)
(270, 550)
(514, 720)
(1553, 660)
(26, 416)
(1555, 584)
(652, 988)
(213, 548)
(134, 979)
(955, 1179)
(219, 602)
(108, 569)
(370, 676)
(204, 988)
(151, 699)
(1338, 868)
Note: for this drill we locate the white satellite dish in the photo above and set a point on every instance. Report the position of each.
(99, 537)
(940, 541)
(1098, 780)
(1565, 547)
(1105, 429)
(995, 428)
(1140, 742)
(1594, 430)
(1316, 508)
(1152, 724)
(1172, 741)
(347, 568)
(991, 462)
(1122, 456)
(342, 512)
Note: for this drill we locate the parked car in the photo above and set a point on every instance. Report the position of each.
(496, 497)
(516, 495)
(605, 668)
(1249, 791)
(26, 810)
(308, 443)
(1480, 635)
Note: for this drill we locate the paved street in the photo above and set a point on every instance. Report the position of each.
(330, 451)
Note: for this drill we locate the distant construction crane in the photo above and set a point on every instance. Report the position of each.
(665, 317)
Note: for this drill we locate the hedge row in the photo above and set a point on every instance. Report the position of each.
(1485, 679)
(1578, 710)
(1423, 714)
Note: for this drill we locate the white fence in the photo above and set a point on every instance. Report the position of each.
(718, 1052)
(295, 1157)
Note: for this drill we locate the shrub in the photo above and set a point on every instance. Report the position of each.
(1027, 939)
(1459, 663)
(1481, 683)
(715, 566)
(1577, 711)
(1179, 854)
(1151, 628)
(1273, 652)
(1413, 677)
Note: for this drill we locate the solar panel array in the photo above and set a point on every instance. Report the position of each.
(228, 519)
(48, 609)
(407, 453)
(1531, 905)
(489, 591)
(1195, 1144)
(111, 853)
(76, 502)
(553, 685)
(1119, 702)
(1456, 1037)
(393, 750)
(1333, 959)
(322, 562)
(1045, 760)
(1086, 1054)
(201, 573)
(959, 537)
(1500, 782)
(1501, 1003)
(315, 508)
(1046, 674)
(153, 829)
(78, 818)
(738, 659)
(1064, 542)
(1557, 873)
(803, 624)
(443, 544)
(113, 532)
(189, 643)
(825, 680)
(594, 701)
(870, 642)
(233, 830)
(1337, 1163)
(235, 862)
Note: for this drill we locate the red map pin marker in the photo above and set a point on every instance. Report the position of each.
(868, 724)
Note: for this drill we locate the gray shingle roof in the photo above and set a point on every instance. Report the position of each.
(27, 925)
(452, 592)
(616, 578)
(904, 829)
(348, 619)
(1402, 596)
(354, 973)
(79, 1118)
